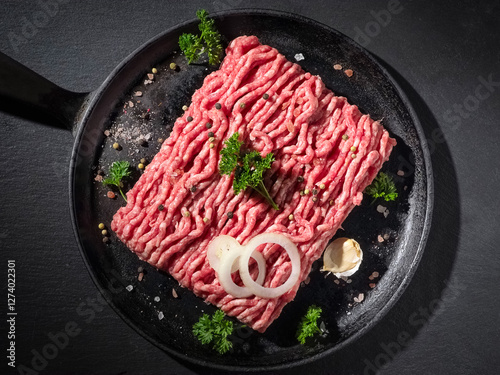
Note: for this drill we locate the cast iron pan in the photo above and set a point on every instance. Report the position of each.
(113, 267)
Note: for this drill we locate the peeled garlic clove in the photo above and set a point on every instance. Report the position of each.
(342, 257)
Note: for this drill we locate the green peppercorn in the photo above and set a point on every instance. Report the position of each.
(353, 148)
(345, 137)
(242, 105)
(314, 199)
(173, 66)
(102, 226)
(322, 186)
(206, 220)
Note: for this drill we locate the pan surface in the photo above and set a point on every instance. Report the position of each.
(139, 121)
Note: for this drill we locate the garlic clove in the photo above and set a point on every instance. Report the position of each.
(342, 257)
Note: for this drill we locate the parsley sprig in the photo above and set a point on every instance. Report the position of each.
(382, 187)
(209, 41)
(118, 170)
(214, 330)
(308, 326)
(248, 167)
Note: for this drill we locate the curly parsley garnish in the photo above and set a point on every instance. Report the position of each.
(118, 170)
(248, 167)
(382, 187)
(308, 326)
(209, 41)
(214, 330)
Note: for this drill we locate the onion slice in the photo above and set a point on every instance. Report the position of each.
(293, 253)
(223, 253)
(224, 273)
(220, 246)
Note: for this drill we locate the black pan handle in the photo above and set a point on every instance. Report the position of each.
(27, 94)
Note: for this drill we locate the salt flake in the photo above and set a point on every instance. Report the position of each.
(299, 57)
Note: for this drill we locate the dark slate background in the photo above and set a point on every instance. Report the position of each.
(440, 52)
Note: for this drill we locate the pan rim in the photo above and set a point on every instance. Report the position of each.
(429, 203)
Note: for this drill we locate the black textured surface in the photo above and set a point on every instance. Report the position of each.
(439, 61)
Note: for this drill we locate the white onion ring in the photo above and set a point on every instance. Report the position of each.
(224, 273)
(222, 253)
(293, 253)
(222, 243)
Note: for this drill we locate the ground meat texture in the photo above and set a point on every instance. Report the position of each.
(310, 131)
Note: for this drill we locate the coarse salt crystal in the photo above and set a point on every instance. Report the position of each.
(160, 315)
(157, 299)
(129, 288)
(299, 57)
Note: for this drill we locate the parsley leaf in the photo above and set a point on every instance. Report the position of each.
(191, 46)
(118, 170)
(214, 330)
(382, 187)
(210, 36)
(248, 168)
(308, 326)
(230, 155)
(209, 41)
